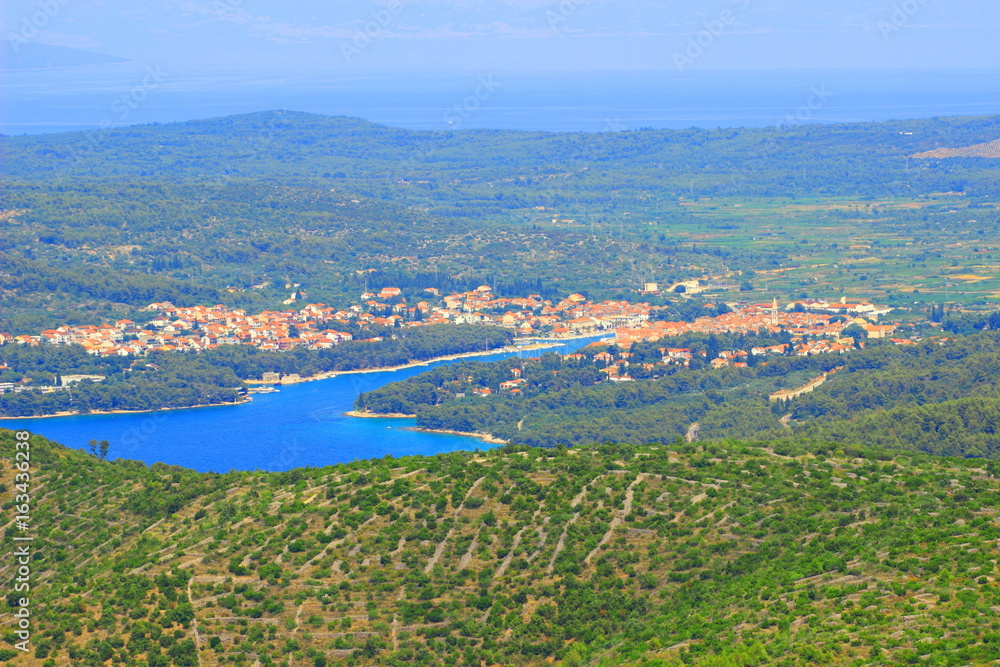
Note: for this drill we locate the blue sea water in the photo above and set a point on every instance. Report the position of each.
(119, 95)
(301, 425)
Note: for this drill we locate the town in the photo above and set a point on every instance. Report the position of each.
(810, 327)
(814, 325)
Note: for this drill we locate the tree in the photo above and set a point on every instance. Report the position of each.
(99, 449)
(856, 332)
(713, 347)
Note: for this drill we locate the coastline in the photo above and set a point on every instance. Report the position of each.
(325, 375)
(378, 415)
(485, 437)
(127, 412)
(539, 344)
(312, 378)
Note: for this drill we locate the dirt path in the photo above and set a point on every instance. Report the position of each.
(194, 625)
(561, 544)
(331, 545)
(692, 433)
(714, 512)
(619, 517)
(543, 537)
(510, 554)
(467, 557)
(439, 551)
(394, 633)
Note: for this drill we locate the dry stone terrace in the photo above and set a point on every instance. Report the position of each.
(513, 557)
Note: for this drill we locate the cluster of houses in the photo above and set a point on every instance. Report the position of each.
(617, 366)
(815, 325)
(206, 327)
(531, 315)
(62, 382)
(193, 329)
(814, 332)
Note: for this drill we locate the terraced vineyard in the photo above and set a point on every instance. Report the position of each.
(988, 150)
(732, 554)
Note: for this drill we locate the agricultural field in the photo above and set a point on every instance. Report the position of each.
(933, 249)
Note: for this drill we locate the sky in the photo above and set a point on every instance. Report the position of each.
(347, 36)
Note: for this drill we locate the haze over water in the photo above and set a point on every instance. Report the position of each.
(89, 98)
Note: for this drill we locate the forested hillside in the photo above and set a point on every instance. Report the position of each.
(94, 225)
(434, 167)
(938, 396)
(734, 554)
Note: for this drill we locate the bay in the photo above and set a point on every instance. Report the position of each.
(301, 425)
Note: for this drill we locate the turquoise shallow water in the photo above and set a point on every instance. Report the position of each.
(302, 425)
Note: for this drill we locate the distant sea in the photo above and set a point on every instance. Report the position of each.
(45, 101)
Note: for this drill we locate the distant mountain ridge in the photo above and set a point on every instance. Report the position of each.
(306, 145)
(988, 150)
(33, 55)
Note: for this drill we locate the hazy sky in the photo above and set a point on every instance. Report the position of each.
(358, 35)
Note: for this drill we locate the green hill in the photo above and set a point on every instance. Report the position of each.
(726, 554)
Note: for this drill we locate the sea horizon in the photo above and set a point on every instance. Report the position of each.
(115, 96)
